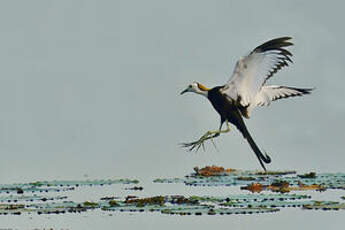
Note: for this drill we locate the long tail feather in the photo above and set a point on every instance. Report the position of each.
(262, 158)
(237, 120)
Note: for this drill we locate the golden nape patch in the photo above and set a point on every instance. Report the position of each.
(203, 88)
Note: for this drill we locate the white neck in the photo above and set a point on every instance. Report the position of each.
(204, 93)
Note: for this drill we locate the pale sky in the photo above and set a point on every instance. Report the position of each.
(92, 87)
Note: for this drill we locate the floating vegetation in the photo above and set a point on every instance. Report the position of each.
(257, 181)
(20, 189)
(268, 200)
(135, 188)
(29, 198)
(57, 207)
(212, 171)
(141, 202)
(43, 204)
(14, 209)
(220, 211)
(325, 205)
(283, 187)
(58, 186)
(308, 175)
(266, 192)
(180, 205)
(169, 180)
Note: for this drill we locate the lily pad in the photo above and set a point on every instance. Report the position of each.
(325, 205)
(257, 181)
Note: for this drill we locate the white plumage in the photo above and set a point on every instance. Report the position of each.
(246, 85)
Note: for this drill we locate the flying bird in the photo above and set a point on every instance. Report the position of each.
(247, 89)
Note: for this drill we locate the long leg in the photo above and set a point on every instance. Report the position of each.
(208, 135)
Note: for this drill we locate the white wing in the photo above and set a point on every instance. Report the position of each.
(271, 93)
(252, 71)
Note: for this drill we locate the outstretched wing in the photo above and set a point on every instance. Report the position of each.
(252, 71)
(271, 93)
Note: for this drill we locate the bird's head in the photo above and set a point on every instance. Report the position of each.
(196, 87)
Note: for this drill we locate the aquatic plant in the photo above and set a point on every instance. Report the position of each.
(257, 181)
(269, 192)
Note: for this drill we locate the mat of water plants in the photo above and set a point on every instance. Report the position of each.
(252, 192)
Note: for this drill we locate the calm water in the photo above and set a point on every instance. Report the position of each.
(287, 218)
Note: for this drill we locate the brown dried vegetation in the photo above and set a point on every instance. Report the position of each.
(212, 171)
(155, 200)
(282, 187)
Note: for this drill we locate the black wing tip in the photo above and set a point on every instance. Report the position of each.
(307, 90)
(281, 40)
(278, 44)
(303, 90)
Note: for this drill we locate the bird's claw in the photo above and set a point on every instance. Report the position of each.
(199, 143)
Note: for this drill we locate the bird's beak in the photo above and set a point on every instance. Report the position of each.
(184, 91)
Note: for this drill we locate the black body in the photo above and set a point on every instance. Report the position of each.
(231, 112)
